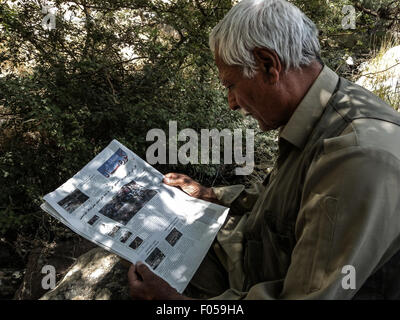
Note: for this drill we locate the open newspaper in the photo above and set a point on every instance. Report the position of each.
(119, 202)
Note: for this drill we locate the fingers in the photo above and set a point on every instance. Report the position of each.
(186, 184)
(132, 276)
(172, 178)
(176, 179)
(144, 284)
(147, 275)
(136, 285)
(144, 271)
(171, 175)
(141, 281)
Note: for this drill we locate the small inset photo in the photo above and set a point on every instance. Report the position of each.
(127, 202)
(93, 220)
(173, 237)
(155, 258)
(125, 236)
(114, 231)
(136, 243)
(118, 159)
(72, 201)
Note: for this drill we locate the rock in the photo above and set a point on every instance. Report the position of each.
(11, 270)
(61, 255)
(96, 275)
(382, 76)
(10, 280)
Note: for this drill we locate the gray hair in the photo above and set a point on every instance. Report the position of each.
(273, 24)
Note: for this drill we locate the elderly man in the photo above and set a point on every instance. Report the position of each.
(325, 223)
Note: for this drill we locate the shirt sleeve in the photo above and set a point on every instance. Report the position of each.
(239, 198)
(347, 227)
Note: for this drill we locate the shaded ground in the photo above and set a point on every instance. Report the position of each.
(23, 281)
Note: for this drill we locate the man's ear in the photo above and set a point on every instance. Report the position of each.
(268, 63)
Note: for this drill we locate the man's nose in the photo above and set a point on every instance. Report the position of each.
(233, 105)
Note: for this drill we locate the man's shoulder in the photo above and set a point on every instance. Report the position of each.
(378, 134)
(352, 102)
(371, 123)
(367, 133)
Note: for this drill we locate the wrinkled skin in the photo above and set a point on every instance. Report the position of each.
(190, 186)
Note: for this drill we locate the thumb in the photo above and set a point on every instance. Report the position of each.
(132, 276)
(143, 270)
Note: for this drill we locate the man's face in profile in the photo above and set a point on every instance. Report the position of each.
(255, 96)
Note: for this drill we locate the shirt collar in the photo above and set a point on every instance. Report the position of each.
(310, 108)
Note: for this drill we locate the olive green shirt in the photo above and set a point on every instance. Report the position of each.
(349, 216)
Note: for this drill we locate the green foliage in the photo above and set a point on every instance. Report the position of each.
(374, 20)
(66, 93)
(69, 91)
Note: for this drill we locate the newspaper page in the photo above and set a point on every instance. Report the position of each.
(119, 202)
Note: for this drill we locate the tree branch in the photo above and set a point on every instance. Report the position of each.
(367, 74)
(359, 6)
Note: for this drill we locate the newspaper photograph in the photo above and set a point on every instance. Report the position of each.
(119, 202)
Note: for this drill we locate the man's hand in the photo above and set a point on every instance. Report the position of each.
(145, 285)
(191, 187)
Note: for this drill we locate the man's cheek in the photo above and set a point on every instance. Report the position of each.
(243, 104)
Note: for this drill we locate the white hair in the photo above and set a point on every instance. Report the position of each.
(273, 24)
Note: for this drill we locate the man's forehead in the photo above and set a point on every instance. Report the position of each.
(226, 71)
